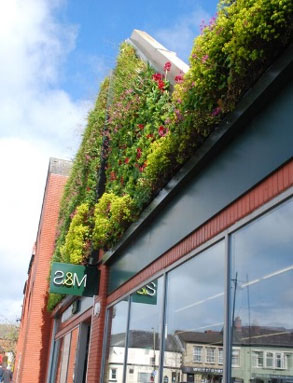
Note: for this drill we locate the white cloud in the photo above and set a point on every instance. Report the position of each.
(179, 37)
(37, 120)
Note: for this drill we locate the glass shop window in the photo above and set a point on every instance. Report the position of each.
(116, 337)
(262, 294)
(144, 337)
(195, 314)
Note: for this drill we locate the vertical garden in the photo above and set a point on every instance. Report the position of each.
(141, 130)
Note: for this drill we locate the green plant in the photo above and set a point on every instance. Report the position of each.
(77, 242)
(151, 132)
(111, 216)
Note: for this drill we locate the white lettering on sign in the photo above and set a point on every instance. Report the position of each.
(79, 283)
(59, 275)
(149, 290)
(69, 279)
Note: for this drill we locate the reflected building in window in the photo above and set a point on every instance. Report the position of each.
(143, 358)
(202, 357)
(265, 354)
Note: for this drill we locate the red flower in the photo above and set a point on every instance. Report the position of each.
(167, 66)
(141, 168)
(141, 126)
(112, 176)
(162, 131)
(161, 84)
(157, 76)
(138, 153)
(179, 78)
(150, 136)
(126, 160)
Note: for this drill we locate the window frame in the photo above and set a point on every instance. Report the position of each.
(225, 236)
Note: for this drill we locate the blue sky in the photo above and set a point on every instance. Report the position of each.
(102, 26)
(54, 54)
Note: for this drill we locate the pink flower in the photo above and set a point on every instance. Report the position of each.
(167, 66)
(204, 58)
(178, 114)
(216, 111)
(179, 78)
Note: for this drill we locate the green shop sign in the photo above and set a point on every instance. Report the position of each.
(74, 280)
(147, 294)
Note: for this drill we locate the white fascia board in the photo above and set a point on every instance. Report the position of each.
(157, 55)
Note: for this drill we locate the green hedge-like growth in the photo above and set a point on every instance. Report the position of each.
(151, 133)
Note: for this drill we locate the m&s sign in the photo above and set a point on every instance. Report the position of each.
(74, 279)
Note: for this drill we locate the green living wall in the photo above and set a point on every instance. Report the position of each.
(143, 132)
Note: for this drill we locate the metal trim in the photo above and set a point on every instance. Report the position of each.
(126, 341)
(227, 314)
(163, 324)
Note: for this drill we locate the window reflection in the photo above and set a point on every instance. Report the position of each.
(143, 356)
(116, 340)
(195, 319)
(262, 298)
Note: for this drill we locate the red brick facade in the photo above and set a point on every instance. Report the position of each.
(29, 368)
(36, 323)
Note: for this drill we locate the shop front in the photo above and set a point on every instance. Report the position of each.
(216, 251)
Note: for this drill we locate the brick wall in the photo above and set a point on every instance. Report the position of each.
(97, 331)
(36, 324)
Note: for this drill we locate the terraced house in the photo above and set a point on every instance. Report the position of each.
(172, 259)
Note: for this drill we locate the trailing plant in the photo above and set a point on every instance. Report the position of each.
(111, 216)
(81, 185)
(151, 132)
(233, 50)
(77, 243)
(137, 117)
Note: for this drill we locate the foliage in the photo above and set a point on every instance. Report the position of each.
(150, 132)
(227, 58)
(9, 335)
(112, 215)
(81, 185)
(53, 300)
(77, 242)
(137, 117)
